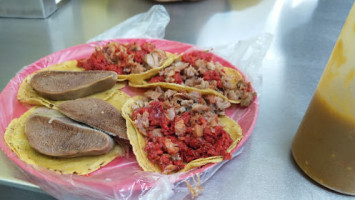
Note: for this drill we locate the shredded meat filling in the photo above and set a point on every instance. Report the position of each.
(180, 127)
(124, 58)
(201, 72)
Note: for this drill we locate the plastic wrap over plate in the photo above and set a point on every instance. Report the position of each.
(122, 178)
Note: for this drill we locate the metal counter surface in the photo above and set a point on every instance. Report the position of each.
(304, 31)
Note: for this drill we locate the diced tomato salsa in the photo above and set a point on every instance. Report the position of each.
(196, 55)
(184, 147)
(177, 77)
(124, 55)
(213, 75)
(191, 58)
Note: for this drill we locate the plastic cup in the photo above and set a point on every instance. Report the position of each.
(324, 145)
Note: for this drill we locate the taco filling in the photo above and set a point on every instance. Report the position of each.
(180, 127)
(197, 70)
(124, 59)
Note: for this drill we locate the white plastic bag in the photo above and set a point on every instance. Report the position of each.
(151, 24)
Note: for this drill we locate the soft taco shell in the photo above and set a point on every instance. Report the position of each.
(18, 143)
(15, 138)
(138, 142)
(139, 78)
(27, 95)
(174, 86)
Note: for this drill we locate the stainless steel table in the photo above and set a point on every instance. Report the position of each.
(304, 32)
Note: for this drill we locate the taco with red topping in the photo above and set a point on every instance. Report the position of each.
(175, 131)
(130, 61)
(196, 71)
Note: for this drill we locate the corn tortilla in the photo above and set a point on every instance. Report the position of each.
(174, 86)
(27, 95)
(16, 139)
(138, 141)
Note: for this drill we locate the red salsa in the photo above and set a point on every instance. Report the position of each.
(121, 58)
(171, 143)
(193, 56)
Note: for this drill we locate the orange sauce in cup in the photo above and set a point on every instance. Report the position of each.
(324, 146)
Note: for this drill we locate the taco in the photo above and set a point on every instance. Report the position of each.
(27, 94)
(197, 71)
(16, 139)
(130, 61)
(175, 131)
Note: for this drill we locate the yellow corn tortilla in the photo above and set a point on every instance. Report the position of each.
(16, 139)
(139, 78)
(174, 86)
(27, 95)
(138, 140)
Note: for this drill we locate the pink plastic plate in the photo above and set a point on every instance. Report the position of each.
(122, 174)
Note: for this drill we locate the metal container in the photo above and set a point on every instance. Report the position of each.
(27, 8)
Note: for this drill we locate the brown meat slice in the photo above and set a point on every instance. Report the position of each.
(68, 85)
(51, 133)
(96, 113)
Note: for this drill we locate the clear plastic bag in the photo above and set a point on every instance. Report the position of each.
(123, 178)
(151, 24)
